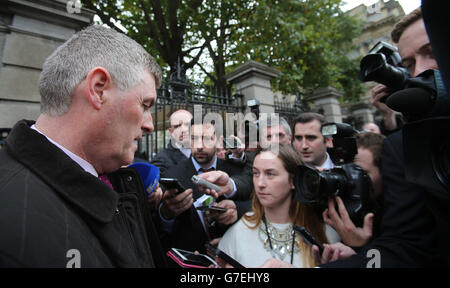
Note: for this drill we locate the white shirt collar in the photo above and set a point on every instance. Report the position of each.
(328, 164)
(197, 166)
(80, 161)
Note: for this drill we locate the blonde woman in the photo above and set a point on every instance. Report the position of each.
(266, 232)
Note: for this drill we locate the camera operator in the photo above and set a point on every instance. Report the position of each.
(408, 237)
(369, 159)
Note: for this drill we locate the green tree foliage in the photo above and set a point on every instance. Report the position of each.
(307, 40)
(161, 26)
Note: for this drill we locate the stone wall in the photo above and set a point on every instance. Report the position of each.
(29, 32)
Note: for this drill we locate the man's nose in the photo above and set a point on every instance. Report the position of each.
(304, 144)
(147, 124)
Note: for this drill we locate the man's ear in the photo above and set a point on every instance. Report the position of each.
(98, 81)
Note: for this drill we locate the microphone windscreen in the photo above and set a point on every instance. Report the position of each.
(149, 174)
(412, 101)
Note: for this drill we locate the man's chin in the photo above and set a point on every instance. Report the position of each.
(202, 160)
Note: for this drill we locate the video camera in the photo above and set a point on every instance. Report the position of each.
(424, 102)
(348, 181)
(426, 135)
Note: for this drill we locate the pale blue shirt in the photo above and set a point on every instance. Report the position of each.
(328, 164)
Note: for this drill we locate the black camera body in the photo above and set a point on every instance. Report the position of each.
(344, 141)
(348, 181)
(424, 102)
(382, 65)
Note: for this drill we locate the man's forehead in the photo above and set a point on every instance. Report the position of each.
(276, 129)
(180, 117)
(414, 35)
(311, 127)
(202, 129)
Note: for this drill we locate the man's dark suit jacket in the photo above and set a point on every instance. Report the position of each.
(408, 231)
(188, 232)
(50, 206)
(168, 158)
(244, 180)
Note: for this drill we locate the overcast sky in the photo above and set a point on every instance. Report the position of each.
(408, 5)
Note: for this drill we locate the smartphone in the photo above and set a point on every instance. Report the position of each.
(212, 208)
(171, 183)
(230, 143)
(188, 259)
(308, 237)
(222, 255)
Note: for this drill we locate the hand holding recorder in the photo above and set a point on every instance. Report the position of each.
(218, 178)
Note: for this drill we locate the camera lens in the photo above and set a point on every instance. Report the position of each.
(311, 181)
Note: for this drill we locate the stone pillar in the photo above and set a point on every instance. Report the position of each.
(29, 32)
(326, 100)
(362, 112)
(252, 80)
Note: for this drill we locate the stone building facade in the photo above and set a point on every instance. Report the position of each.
(378, 19)
(29, 32)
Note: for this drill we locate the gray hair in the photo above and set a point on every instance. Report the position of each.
(96, 46)
(281, 122)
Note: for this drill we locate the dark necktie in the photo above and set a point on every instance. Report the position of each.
(203, 170)
(105, 180)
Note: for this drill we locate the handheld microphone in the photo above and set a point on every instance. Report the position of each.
(415, 101)
(149, 174)
(199, 181)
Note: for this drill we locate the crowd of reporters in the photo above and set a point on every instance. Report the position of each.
(350, 189)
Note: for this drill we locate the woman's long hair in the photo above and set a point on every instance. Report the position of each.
(301, 214)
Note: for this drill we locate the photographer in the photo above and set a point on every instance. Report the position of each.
(369, 158)
(408, 237)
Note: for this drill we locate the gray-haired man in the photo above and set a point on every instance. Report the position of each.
(97, 90)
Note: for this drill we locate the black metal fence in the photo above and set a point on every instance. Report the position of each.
(177, 94)
(288, 109)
